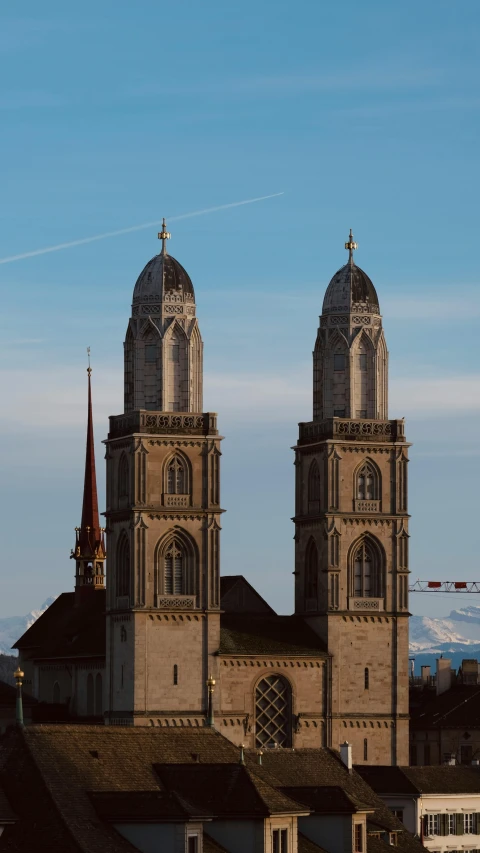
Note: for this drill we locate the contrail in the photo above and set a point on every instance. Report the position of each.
(104, 236)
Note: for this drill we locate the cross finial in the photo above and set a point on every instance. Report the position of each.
(164, 235)
(89, 369)
(351, 246)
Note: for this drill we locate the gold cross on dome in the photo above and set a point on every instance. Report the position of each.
(164, 235)
(351, 245)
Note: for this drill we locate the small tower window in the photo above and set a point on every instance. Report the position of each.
(176, 477)
(367, 678)
(175, 674)
(366, 579)
(367, 483)
(339, 361)
(365, 749)
(150, 353)
(174, 569)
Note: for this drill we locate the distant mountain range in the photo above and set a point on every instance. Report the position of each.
(456, 636)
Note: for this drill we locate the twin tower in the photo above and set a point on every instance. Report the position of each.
(351, 541)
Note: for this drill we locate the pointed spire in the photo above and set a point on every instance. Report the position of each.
(164, 235)
(351, 246)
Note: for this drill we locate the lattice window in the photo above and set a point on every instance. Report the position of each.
(366, 571)
(176, 477)
(174, 569)
(273, 712)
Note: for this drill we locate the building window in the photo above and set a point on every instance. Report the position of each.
(123, 566)
(452, 824)
(466, 753)
(469, 824)
(314, 487)
(273, 717)
(365, 749)
(174, 569)
(280, 841)
(366, 678)
(175, 674)
(339, 361)
(150, 353)
(311, 570)
(413, 755)
(339, 413)
(393, 839)
(176, 477)
(192, 844)
(433, 824)
(358, 838)
(398, 813)
(366, 579)
(426, 753)
(367, 483)
(56, 693)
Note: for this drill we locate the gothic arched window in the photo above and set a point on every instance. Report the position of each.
(366, 571)
(311, 570)
(367, 483)
(123, 477)
(123, 566)
(273, 712)
(176, 477)
(314, 487)
(174, 565)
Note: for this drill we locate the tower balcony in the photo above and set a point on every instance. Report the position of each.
(163, 423)
(352, 429)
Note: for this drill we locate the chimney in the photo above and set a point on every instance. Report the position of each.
(346, 754)
(425, 670)
(444, 675)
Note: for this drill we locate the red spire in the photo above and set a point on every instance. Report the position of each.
(90, 534)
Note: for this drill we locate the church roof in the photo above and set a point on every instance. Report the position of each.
(249, 634)
(66, 630)
(349, 288)
(162, 275)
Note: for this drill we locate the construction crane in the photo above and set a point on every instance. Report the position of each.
(445, 586)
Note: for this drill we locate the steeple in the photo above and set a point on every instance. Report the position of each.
(89, 550)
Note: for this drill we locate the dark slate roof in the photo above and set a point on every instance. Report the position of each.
(457, 708)
(163, 274)
(386, 779)
(327, 799)
(229, 582)
(349, 287)
(289, 636)
(66, 631)
(323, 768)
(305, 845)
(378, 845)
(226, 790)
(133, 806)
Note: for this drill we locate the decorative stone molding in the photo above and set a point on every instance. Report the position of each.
(175, 602)
(352, 430)
(365, 603)
(143, 421)
(176, 500)
(367, 506)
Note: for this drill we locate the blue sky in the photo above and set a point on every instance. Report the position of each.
(366, 115)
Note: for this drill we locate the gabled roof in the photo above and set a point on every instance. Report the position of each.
(226, 790)
(414, 781)
(248, 634)
(144, 806)
(327, 799)
(68, 631)
(387, 779)
(457, 708)
(237, 595)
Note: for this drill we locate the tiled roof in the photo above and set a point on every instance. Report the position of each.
(444, 779)
(66, 631)
(327, 799)
(229, 582)
(378, 845)
(457, 708)
(386, 779)
(227, 790)
(247, 634)
(323, 768)
(127, 806)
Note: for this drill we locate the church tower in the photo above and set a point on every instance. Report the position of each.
(163, 512)
(351, 524)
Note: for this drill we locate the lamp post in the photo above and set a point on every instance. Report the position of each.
(210, 689)
(18, 675)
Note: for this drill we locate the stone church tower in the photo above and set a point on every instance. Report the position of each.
(351, 524)
(163, 510)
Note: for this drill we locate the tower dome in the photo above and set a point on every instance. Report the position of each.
(162, 275)
(350, 288)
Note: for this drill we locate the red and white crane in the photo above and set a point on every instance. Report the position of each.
(445, 586)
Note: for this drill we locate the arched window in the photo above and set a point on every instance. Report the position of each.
(98, 695)
(90, 696)
(273, 712)
(123, 477)
(56, 693)
(367, 485)
(123, 566)
(314, 487)
(311, 570)
(176, 477)
(174, 561)
(367, 570)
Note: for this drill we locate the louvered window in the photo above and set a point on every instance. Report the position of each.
(174, 570)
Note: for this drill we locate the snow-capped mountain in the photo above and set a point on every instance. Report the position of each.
(12, 627)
